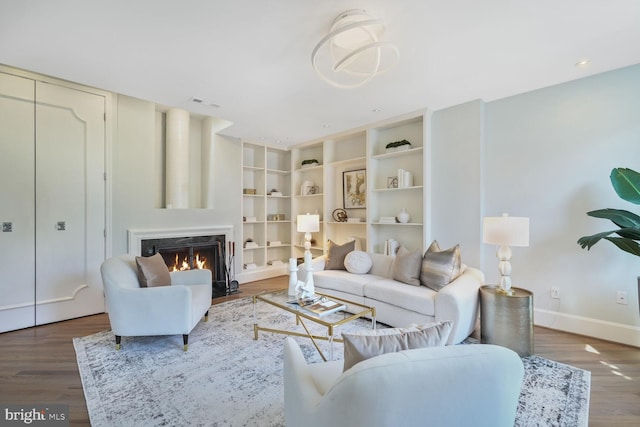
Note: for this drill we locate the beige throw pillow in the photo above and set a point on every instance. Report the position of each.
(406, 266)
(362, 346)
(336, 255)
(439, 268)
(152, 271)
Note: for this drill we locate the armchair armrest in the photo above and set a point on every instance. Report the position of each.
(458, 301)
(191, 277)
(301, 393)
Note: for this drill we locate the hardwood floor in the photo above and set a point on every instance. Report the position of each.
(38, 365)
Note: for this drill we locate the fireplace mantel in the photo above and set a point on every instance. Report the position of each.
(136, 236)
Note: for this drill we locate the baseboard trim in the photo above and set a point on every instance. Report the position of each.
(610, 331)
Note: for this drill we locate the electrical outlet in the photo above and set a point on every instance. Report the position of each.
(621, 297)
(555, 292)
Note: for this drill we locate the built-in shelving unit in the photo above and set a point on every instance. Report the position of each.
(285, 188)
(389, 196)
(365, 149)
(266, 211)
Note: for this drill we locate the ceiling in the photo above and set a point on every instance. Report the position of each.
(253, 57)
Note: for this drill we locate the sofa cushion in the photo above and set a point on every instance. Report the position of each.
(336, 255)
(152, 271)
(358, 262)
(414, 298)
(368, 344)
(342, 281)
(406, 267)
(440, 267)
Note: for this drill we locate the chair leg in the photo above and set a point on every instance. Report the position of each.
(185, 340)
(118, 340)
(206, 316)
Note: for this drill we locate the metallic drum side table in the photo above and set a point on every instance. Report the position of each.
(507, 320)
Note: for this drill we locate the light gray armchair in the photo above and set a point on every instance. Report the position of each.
(453, 386)
(162, 310)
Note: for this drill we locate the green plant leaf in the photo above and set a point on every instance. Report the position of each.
(589, 241)
(621, 218)
(626, 245)
(626, 182)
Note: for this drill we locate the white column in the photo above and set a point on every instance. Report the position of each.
(177, 159)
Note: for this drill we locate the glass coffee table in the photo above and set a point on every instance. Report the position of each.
(331, 321)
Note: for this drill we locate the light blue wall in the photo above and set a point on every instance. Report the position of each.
(548, 155)
(456, 172)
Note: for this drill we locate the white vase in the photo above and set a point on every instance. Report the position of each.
(403, 216)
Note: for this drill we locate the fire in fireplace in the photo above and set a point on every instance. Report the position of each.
(186, 253)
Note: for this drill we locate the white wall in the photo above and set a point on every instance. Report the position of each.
(136, 181)
(548, 155)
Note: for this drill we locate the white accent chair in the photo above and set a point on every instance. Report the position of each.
(161, 310)
(461, 385)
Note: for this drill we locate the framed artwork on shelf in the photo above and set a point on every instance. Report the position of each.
(354, 189)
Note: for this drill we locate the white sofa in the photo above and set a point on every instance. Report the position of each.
(162, 310)
(462, 385)
(398, 304)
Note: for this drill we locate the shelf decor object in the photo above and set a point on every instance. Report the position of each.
(505, 231)
(308, 224)
(353, 52)
(340, 215)
(403, 216)
(397, 146)
(354, 187)
(309, 163)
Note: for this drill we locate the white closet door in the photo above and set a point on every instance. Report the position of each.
(70, 197)
(17, 262)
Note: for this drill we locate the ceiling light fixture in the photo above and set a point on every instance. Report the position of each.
(583, 63)
(352, 53)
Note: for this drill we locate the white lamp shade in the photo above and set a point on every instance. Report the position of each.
(506, 230)
(308, 223)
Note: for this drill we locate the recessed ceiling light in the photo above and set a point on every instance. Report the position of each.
(583, 63)
(199, 100)
(376, 110)
(325, 125)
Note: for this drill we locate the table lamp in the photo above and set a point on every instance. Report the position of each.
(505, 231)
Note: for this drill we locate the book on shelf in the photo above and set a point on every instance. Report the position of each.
(387, 220)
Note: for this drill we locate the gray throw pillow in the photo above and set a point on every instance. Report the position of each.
(362, 346)
(152, 271)
(336, 255)
(439, 268)
(406, 266)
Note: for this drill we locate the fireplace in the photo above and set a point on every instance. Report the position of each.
(189, 249)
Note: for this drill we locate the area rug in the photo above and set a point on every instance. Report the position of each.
(229, 379)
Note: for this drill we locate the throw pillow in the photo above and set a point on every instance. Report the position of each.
(152, 271)
(362, 346)
(358, 262)
(406, 266)
(337, 254)
(439, 268)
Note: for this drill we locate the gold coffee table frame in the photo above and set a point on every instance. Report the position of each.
(330, 321)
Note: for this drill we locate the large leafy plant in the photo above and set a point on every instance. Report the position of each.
(626, 183)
